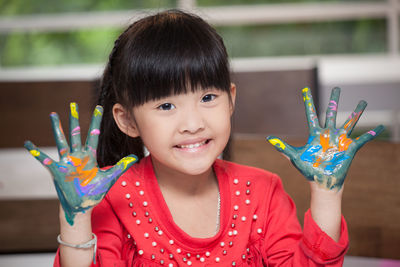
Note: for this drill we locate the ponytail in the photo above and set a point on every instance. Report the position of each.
(113, 143)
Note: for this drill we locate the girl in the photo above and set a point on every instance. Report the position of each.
(167, 87)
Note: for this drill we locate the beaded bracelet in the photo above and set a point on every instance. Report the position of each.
(89, 244)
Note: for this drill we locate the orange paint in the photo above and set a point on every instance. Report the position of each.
(60, 126)
(317, 162)
(85, 176)
(352, 121)
(324, 140)
(344, 142)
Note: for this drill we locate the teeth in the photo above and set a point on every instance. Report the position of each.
(192, 145)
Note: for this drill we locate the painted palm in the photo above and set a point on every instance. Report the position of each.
(329, 151)
(79, 183)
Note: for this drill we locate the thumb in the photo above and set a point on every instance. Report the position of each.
(281, 146)
(123, 165)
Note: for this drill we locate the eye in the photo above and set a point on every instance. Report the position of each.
(166, 106)
(208, 98)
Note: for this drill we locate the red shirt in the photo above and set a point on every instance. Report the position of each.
(258, 225)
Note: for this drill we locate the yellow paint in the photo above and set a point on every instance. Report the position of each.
(35, 153)
(74, 111)
(125, 161)
(305, 96)
(97, 112)
(277, 142)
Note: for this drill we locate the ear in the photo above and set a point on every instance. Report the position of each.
(233, 97)
(125, 121)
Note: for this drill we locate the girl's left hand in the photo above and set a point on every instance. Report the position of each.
(329, 151)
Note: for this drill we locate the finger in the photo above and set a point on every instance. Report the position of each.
(331, 111)
(282, 146)
(74, 128)
(312, 118)
(123, 165)
(353, 118)
(59, 136)
(368, 136)
(94, 130)
(47, 161)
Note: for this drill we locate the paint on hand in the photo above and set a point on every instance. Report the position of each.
(332, 105)
(35, 153)
(309, 154)
(84, 176)
(97, 112)
(344, 142)
(125, 161)
(335, 162)
(328, 153)
(353, 118)
(47, 161)
(74, 111)
(79, 183)
(305, 95)
(76, 131)
(277, 143)
(95, 132)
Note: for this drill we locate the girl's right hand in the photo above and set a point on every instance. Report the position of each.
(79, 183)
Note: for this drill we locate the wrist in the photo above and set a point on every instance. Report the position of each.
(326, 209)
(80, 231)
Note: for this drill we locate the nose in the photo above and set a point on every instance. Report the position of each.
(191, 120)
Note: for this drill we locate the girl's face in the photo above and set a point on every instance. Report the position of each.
(185, 133)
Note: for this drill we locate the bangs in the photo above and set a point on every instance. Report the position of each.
(174, 53)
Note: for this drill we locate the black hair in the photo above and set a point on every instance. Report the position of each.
(160, 55)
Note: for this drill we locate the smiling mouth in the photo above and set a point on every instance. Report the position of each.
(195, 145)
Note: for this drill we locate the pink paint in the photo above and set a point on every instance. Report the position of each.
(333, 105)
(372, 133)
(76, 131)
(47, 161)
(95, 132)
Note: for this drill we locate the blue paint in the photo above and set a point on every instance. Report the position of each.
(78, 187)
(310, 139)
(103, 185)
(61, 168)
(337, 159)
(309, 154)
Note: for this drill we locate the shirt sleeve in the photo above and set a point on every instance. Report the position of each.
(285, 244)
(112, 245)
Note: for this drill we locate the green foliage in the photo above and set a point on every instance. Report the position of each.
(363, 36)
(256, 2)
(21, 7)
(24, 49)
(93, 46)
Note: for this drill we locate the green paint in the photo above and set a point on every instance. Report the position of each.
(329, 151)
(79, 183)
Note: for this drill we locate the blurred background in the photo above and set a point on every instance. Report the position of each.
(53, 52)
